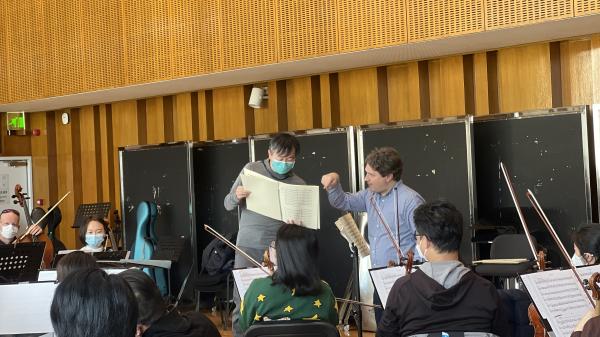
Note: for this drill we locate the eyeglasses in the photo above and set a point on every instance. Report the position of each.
(10, 210)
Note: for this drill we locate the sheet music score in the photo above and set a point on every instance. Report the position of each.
(559, 299)
(50, 275)
(26, 308)
(282, 201)
(243, 278)
(384, 279)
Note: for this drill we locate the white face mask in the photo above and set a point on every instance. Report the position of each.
(422, 254)
(9, 231)
(578, 261)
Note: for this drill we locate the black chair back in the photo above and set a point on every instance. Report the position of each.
(511, 246)
(292, 329)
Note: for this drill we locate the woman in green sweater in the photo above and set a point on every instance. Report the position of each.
(295, 291)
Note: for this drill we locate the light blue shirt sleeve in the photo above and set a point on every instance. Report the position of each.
(355, 202)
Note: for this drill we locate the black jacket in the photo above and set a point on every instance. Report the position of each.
(191, 324)
(418, 304)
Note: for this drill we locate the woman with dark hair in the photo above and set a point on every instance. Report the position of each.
(295, 291)
(586, 242)
(73, 262)
(93, 234)
(92, 303)
(155, 320)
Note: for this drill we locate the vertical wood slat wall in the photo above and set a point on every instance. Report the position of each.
(94, 44)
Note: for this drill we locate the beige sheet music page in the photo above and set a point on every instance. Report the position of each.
(384, 279)
(559, 299)
(301, 204)
(264, 194)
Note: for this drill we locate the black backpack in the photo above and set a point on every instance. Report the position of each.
(217, 257)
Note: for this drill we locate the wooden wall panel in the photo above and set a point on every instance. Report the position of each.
(378, 23)
(107, 155)
(403, 92)
(3, 56)
(325, 87)
(524, 78)
(434, 19)
(307, 28)
(155, 120)
(587, 7)
(266, 119)
(68, 175)
(229, 112)
(147, 42)
(507, 13)
(202, 117)
(43, 158)
(249, 33)
(358, 94)
(596, 68)
(299, 104)
(63, 47)
(90, 158)
(480, 75)
(124, 133)
(195, 33)
(102, 51)
(182, 117)
(447, 87)
(576, 72)
(26, 46)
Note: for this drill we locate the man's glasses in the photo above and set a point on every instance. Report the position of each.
(10, 210)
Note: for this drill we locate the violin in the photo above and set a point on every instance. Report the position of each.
(535, 319)
(42, 237)
(408, 262)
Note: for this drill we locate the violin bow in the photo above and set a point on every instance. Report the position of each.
(44, 216)
(563, 251)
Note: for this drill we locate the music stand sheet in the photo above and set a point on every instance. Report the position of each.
(243, 278)
(384, 279)
(559, 299)
(26, 308)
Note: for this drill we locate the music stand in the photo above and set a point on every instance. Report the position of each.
(21, 263)
(116, 255)
(169, 248)
(85, 211)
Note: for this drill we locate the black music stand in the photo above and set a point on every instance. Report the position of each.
(85, 211)
(116, 255)
(21, 263)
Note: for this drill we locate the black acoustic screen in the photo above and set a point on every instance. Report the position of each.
(160, 174)
(323, 153)
(216, 166)
(437, 163)
(546, 153)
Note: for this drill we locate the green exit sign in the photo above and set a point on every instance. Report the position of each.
(15, 123)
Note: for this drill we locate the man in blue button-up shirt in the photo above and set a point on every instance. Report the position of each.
(387, 199)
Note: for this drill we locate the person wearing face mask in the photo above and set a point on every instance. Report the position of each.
(257, 231)
(387, 198)
(442, 295)
(586, 243)
(93, 234)
(9, 226)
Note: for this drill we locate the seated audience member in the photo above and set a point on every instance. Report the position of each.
(442, 295)
(295, 291)
(73, 262)
(586, 242)
(93, 234)
(92, 303)
(155, 320)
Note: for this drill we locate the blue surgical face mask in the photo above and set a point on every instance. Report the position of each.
(94, 240)
(282, 167)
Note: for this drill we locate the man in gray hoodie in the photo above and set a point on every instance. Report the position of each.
(443, 295)
(257, 231)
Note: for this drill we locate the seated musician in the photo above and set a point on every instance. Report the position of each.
(73, 262)
(443, 295)
(155, 319)
(9, 226)
(92, 303)
(295, 291)
(586, 242)
(93, 234)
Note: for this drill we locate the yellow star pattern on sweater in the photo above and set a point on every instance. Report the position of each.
(256, 317)
(288, 309)
(315, 317)
(242, 307)
(293, 291)
(317, 303)
(261, 298)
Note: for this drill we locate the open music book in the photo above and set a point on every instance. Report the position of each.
(282, 201)
(384, 279)
(559, 298)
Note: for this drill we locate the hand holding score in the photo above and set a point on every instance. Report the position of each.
(241, 192)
